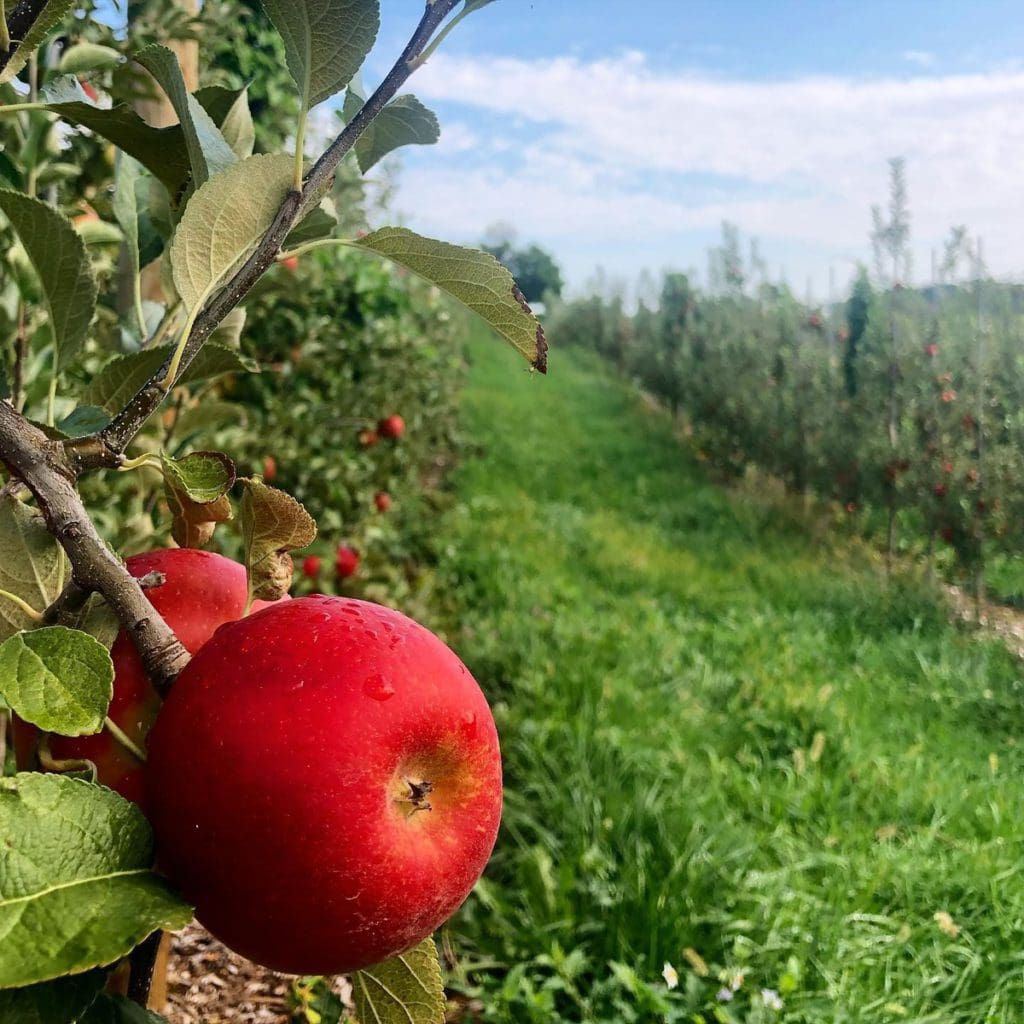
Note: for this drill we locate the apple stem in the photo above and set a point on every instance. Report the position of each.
(31, 612)
(122, 737)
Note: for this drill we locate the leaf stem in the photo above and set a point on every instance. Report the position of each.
(5, 32)
(22, 604)
(17, 108)
(146, 459)
(51, 394)
(122, 737)
(172, 371)
(300, 143)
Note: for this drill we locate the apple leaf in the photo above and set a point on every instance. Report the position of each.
(126, 206)
(325, 41)
(209, 153)
(405, 121)
(110, 1009)
(474, 278)
(121, 378)
(273, 524)
(82, 420)
(77, 889)
(237, 128)
(96, 618)
(61, 1001)
(407, 989)
(205, 419)
(223, 223)
(57, 678)
(196, 488)
(58, 255)
(48, 18)
(318, 223)
(30, 564)
(82, 57)
(229, 331)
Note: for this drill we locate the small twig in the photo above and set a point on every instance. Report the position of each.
(142, 961)
(20, 20)
(104, 449)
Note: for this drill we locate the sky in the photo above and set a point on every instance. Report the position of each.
(620, 135)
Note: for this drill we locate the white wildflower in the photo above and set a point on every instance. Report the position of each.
(671, 975)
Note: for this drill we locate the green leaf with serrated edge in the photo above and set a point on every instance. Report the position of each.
(126, 207)
(405, 121)
(122, 377)
(77, 889)
(325, 41)
(99, 232)
(217, 101)
(58, 255)
(95, 618)
(61, 1001)
(407, 989)
(86, 419)
(237, 127)
(202, 477)
(272, 523)
(209, 153)
(30, 564)
(318, 223)
(223, 223)
(109, 1009)
(83, 57)
(49, 17)
(206, 418)
(475, 278)
(57, 678)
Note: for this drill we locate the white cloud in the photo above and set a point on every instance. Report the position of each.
(585, 155)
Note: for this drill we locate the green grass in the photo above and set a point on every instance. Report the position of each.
(661, 658)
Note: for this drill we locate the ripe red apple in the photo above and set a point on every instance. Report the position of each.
(940, 490)
(89, 90)
(368, 438)
(269, 468)
(346, 563)
(311, 566)
(201, 591)
(931, 350)
(382, 500)
(291, 262)
(324, 782)
(392, 427)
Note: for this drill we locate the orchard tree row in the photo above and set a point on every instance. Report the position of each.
(193, 315)
(905, 406)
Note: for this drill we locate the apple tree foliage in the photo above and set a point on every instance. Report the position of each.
(121, 344)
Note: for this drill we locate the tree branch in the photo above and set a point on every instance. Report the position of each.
(105, 449)
(21, 18)
(30, 455)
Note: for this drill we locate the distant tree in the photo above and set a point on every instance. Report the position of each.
(858, 307)
(534, 268)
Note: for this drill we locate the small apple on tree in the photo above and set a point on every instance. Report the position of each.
(314, 716)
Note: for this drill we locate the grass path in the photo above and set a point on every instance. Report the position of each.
(720, 738)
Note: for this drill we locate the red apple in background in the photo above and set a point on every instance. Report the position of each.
(291, 262)
(311, 566)
(931, 350)
(382, 500)
(269, 468)
(368, 438)
(89, 90)
(201, 591)
(346, 563)
(392, 427)
(324, 782)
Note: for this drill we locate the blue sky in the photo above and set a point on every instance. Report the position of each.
(621, 135)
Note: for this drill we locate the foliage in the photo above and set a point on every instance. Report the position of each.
(534, 268)
(727, 747)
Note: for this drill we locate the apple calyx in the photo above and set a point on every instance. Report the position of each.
(416, 795)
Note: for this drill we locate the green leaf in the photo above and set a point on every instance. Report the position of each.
(237, 127)
(52, 1002)
(58, 255)
(206, 418)
(49, 17)
(318, 223)
(97, 619)
(407, 989)
(229, 330)
(99, 232)
(86, 419)
(272, 523)
(84, 57)
(196, 488)
(110, 1009)
(126, 207)
(209, 153)
(223, 223)
(475, 278)
(325, 41)
(403, 122)
(57, 678)
(77, 888)
(121, 378)
(30, 564)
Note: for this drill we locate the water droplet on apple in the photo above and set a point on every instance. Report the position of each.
(377, 687)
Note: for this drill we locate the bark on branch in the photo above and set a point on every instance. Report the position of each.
(20, 19)
(41, 464)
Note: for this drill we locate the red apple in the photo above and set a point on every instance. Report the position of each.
(392, 427)
(382, 500)
(89, 90)
(346, 563)
(201, 591)
(325, 784)
(291, 262)
(269, 468)
(368, 438)
(931, 350)
(311, 566)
